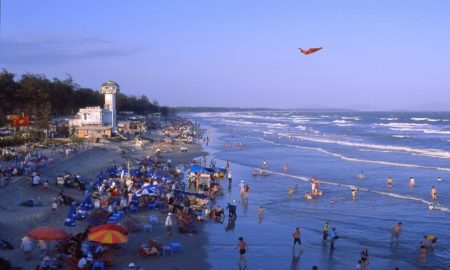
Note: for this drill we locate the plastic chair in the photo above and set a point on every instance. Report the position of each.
(166, 250)
(98, 265)
(175, 246)
(113, 219)
(153, 206)
(154, 219)
(148, 227)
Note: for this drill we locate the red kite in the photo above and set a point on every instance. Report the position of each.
(310, 50)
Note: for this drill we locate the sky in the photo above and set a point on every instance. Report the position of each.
(377, 54)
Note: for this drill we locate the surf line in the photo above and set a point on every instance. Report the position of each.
(394, 195)
(397, 164)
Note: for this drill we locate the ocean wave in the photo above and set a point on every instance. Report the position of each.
(341, 156)
(355, 118)
(401, 136)
(301, 127)
(389, 194)
(389, 118)
(425, 119)
(342, 122)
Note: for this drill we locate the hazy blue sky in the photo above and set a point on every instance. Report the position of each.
(385, 54)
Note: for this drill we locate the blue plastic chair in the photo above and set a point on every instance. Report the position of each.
(175, 246)
(154, 219)
(98, 265)
(166, 251)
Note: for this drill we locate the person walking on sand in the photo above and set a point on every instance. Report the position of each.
(325, 231)
(296, 235)
(169, 223)
(395, 233)
(27, 247)
(243, 249)
(434, 193)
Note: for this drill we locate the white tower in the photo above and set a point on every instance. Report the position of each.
(110, 89)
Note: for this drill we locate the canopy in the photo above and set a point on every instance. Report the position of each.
(108, 237)
(197, 168)
(48, 233)
(113, 227)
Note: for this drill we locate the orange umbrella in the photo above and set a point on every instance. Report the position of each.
(48, 233)
(113, 227)
(108, 237)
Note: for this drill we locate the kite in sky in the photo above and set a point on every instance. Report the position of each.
(310, 50)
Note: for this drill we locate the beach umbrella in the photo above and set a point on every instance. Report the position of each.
(70, 220)
(108, 237)
(48, 233)
(113, 227)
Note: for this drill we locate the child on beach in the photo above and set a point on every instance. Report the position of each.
(54, 205)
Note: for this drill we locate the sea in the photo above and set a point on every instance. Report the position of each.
(334, 147)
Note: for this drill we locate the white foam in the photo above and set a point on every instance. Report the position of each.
(425, 119)
(341, 121)
(301, 127)
(390, 119)
(356, 118)
(401, 136)
(389, 163)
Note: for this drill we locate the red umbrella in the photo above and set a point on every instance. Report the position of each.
(104, 227)
(48, 233)
(108, 237)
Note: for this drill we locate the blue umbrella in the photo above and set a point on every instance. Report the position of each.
(70, 220)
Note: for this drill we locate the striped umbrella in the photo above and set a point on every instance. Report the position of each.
(108, 237)
(113, 227)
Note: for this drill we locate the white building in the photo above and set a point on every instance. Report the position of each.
(96, 116)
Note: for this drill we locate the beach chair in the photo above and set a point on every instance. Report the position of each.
(98, 266)
(153, 219)
(148, 227)
(176, 246)
(166, 251)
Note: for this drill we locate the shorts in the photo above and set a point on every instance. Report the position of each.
(297, 240)
(242, 251)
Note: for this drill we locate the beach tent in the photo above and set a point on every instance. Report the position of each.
(70, 220)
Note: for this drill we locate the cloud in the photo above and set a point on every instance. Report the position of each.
(50, 49)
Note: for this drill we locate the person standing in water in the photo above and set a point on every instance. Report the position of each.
(434, 193)
(390, 182)
(243, 249)
(412, 182)
(325, 231)
(395, 233)
(296, 235)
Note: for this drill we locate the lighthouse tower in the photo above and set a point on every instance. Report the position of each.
(110, 89)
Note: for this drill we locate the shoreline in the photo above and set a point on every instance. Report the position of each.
(17, 220)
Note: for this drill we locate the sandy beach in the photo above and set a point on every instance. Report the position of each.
(17, 220)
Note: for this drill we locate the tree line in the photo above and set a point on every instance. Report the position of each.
(36, 95)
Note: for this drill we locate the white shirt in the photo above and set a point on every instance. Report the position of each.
(36, 180)
(169, 221)
(82, 263)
